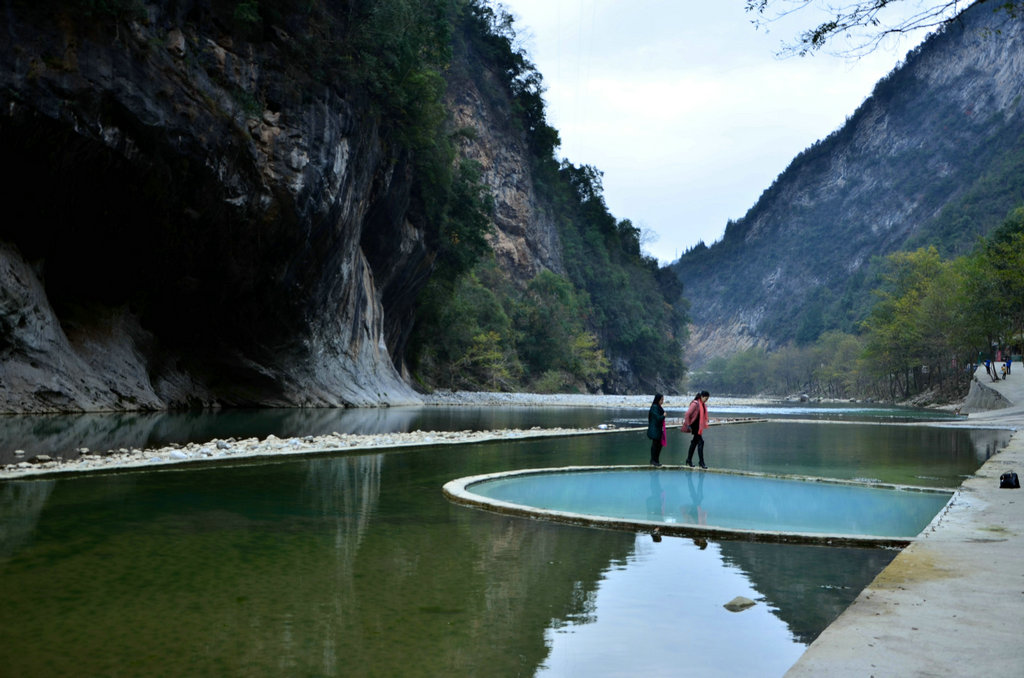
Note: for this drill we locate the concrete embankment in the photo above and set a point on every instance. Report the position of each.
(950, 604)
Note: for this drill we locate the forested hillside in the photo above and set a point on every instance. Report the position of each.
(565, 300)
(932, 321)
(935, 157)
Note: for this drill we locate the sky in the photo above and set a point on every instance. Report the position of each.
(685, 106)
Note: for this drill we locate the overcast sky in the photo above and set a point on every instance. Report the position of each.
(684, 105)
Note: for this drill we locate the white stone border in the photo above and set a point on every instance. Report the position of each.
(458, 492)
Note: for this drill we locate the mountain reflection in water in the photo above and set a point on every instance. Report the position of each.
(357, 565)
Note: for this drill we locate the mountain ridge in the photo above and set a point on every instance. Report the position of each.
(934, 156)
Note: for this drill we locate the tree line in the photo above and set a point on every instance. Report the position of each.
(931, 323)
(612, 321)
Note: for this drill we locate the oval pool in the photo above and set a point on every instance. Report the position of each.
(709, 503)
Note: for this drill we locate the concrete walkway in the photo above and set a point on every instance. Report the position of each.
(951, 603)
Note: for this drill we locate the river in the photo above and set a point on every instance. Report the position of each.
(356, 565)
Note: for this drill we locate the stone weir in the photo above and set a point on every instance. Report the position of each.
(187, 221)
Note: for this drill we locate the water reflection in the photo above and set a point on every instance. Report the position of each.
(694, 512)
(345, 492)
(833, 412)
(61, 435)
(20, 507)
(358, 566)
(662, 613)
(807, 587)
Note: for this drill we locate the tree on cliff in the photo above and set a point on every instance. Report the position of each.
(867, 22)
(562, 330)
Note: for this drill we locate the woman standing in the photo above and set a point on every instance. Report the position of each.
(695, 421)
(656, 428)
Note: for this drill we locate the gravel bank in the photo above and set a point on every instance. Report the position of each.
(230, 449)
(217, 451)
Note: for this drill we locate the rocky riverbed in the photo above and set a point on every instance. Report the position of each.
(228, 450)
(84, 459)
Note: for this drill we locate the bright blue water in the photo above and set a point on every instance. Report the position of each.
(731, 501)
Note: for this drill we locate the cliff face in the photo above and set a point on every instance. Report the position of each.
(525, 238)
(171, 240)
(934, 156)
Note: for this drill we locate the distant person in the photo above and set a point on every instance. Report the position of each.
(656, 428)
(1009, 359)
(695, 422)
(991, 370)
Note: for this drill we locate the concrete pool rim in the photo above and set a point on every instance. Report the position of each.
(458, 491)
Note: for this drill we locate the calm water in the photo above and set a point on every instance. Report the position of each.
(60, 435)
(357, 566)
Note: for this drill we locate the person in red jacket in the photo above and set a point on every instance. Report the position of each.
(695, 421)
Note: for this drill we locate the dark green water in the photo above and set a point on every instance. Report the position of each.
(358, 566)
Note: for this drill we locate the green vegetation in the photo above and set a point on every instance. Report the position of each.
(474, 327)
(478, 329)
(392, 61)
(631, 298)
(931, 321)
(940, 172)
(831, 368)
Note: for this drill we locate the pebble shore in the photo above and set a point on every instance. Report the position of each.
(230, 449)
(272, 446)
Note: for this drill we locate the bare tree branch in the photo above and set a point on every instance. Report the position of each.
(866, 23)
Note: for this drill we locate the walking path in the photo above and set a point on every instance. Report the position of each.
(951, 603)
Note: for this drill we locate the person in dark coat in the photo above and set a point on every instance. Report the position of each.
(656, 428)
(695, 422)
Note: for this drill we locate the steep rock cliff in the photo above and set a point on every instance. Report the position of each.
(525, 238)
(934, 156)
(173, 240)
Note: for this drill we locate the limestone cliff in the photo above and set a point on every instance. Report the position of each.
(170, 239)
(933, 157)
(525, 238)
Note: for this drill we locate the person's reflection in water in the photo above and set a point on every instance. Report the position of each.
(656, 500)
(695, 513)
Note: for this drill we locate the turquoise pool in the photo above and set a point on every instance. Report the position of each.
(686, 501)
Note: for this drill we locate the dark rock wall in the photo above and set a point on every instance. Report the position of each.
(525, 239)
(188, 225)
